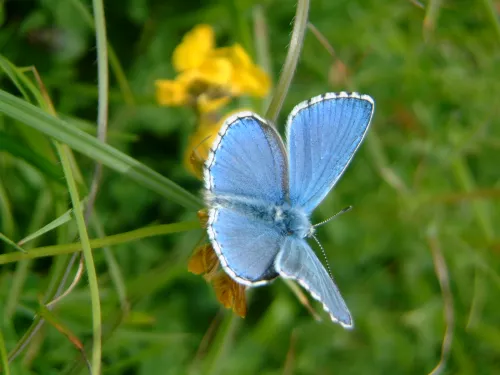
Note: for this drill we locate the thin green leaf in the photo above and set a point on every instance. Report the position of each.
(8, 223)
(89, 259)
(11, 71)
(114, 62)
(134, 235)
(291, 61)
(9, 242)
(3, 356)
(61, 220)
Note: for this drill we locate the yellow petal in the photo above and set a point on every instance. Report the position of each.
(251, 81)
(171, 93)
(203, 261)
(215, 71)
(196, 86)
(236, 54)
(208, 105)
(247, 78)
(194, 48)
(203, 217)
(198, 146)
(240, 57)
(230, 294)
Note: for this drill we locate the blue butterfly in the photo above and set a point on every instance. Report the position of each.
(260, 197)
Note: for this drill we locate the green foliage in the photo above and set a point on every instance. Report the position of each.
(416, 260)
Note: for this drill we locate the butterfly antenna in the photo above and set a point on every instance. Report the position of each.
(343, 211)
(324, 255)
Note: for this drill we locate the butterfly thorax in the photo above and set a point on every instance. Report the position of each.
(292, 221)
(289, 220)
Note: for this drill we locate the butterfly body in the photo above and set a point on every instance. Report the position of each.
(260, 196)
(288, 220)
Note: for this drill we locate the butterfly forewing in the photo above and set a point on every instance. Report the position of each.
(323, 134)
(247, 160)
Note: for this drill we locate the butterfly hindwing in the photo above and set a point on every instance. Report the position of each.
(246, 247)
(323, 134)
(297, 261)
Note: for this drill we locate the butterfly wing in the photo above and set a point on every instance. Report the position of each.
(247, 248)
(323, 134)
(297, 261)
(246, 165)
(247, 160)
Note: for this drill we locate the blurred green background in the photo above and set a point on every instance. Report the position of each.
(416, 260)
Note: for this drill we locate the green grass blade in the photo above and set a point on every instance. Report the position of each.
(291, 61)
(3, 356)
(134, 235)
(41, 210)
(11, 71)
(8, 223)
(89, 259)
(61, 220)
(9, 242)
(114, 62)
(91, 147)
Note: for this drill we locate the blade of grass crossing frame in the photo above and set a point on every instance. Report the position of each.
(11, 243)
(40, 211)
(8, 223)
(134, 235)
(3, 356)
(89, 260)
(61, 220)
(291, 61)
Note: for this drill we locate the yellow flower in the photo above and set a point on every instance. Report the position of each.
(209, 77)
(229, 293)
